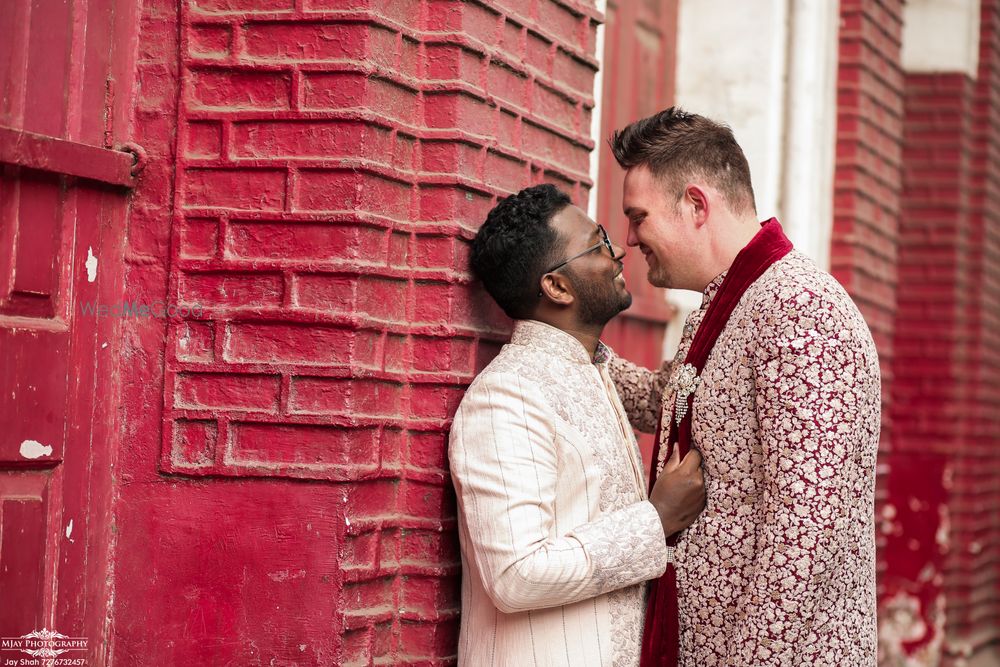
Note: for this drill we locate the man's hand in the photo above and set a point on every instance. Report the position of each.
(679, 492)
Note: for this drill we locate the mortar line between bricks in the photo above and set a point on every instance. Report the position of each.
(222, 114)
(380, 21)
(241, 62)
(386, 170)
(452, 87)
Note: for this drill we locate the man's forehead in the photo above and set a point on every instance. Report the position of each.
(641, 190)
(573, 220)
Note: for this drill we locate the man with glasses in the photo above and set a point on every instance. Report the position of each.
(557, 532)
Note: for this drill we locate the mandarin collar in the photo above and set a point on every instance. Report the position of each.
(713, 288)
(557, 342)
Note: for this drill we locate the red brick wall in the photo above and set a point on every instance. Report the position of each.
(945, 561)
(977, 625)
(929, 391)
(864, 245)
(867, 172)
(972, 554)
(316, 174)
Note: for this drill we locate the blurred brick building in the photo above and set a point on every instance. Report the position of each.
(252, 470)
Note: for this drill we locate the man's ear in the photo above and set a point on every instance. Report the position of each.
(557, 289)
(698, 202)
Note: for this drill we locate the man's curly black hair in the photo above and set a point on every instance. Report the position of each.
(515, 245)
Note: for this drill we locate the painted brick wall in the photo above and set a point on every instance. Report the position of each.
(976, 628)
(927, 441)
(971, 573)
(318, 169)
(864, 244)
(940, 602)
(867, 174)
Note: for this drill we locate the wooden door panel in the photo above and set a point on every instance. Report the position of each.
(32, 218)
(63, 188)
(46, 77)
(23, 527)
(34, 375)
(14, 28)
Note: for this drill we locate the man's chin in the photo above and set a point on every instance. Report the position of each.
(626, 302)
(656, 277)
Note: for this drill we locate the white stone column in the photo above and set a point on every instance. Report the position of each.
(941, 36)
(806, 197)
(596, 116)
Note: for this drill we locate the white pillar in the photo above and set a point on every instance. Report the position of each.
(806, 199)
(941, 36)
(596, 118)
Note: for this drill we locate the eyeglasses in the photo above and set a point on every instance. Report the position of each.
(605, 241)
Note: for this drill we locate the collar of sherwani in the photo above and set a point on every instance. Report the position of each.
(556, 342)
(712, 289)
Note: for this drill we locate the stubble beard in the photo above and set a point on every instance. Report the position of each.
(599, 305)
(657, 276)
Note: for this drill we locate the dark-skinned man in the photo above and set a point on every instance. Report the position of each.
(558, 535)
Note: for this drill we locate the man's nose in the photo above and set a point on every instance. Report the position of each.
(618, 250)
(632, 240)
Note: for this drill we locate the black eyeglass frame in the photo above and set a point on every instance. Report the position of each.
(605, 241)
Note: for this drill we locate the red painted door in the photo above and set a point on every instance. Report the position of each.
(63, 188)
(639, 61)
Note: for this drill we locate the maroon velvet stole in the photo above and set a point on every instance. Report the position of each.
(661, 636)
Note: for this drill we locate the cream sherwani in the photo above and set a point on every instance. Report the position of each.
(556, 532)
(779, 569)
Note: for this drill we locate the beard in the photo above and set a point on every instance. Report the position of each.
(599, 301)
(657, 275)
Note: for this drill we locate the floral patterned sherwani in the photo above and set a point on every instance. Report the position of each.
(779, 569)
(556, 532)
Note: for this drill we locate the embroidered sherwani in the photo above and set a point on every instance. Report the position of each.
(557, 535)
(779, 569)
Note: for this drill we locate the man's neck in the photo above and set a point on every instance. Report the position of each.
(726, 247)
(588, 335)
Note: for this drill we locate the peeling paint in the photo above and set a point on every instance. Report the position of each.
(104, 345)
(91, 265)
(69, 530)
(888, 525)
(32, 449)
(904, 622)
(948, 477)
(943, 535)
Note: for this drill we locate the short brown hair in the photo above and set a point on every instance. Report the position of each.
(675, 144)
